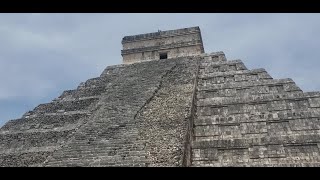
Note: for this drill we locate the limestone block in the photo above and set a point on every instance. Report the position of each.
(257, 152)
(276, 151)
(206, 130)
(314, 102)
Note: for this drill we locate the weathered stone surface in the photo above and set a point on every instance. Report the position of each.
(249, 119)
(172, 43)
(43, 122)
(198, 110)
(141, 120)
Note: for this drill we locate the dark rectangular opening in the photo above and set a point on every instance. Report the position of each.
(163, 55)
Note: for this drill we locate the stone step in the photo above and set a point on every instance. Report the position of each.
(94, 155)
(64, 106)
(231, 131)
(265, 107)
(257, 128)
(42, 122)
(121, 164)
(26, 140)
(67, 162)
(126, 71)
(232, 76)
(304, 139)
(79, 155)
(29, 150)
(257, 155)
(288, 85)
(95, 82)
(30, 115)
(219, 63)
(119, 148)
(110, 131)
(250, 117)
(307, 99)
(23, 159)
(113, 70)
(233, 65)
(260, 72)
(97, 163)
(84, 92)
(264, 163)
(91, 145)
(213, 57)
(97, 153)
(229, 91)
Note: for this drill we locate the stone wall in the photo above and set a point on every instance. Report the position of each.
(176, 43)
(161, 40)
(247, 118)
(161, 34)
(172, 53)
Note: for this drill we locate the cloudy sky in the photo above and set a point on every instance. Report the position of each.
(41, 55)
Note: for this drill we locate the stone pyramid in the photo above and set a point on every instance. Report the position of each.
(170, 104)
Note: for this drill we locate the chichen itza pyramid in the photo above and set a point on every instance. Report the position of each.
(170, 104)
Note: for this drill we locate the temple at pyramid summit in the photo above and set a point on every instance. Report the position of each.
(170, 104)
(162, 45)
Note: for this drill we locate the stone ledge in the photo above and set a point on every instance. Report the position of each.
(262, 98)
(242, 84)
(161, 34)
(219, 63)
(232, 73)
(29, 150)
(54, 130)
(289, 140)
(161, 47)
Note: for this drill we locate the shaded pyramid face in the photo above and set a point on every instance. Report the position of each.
(189, 111)
(247, 118)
